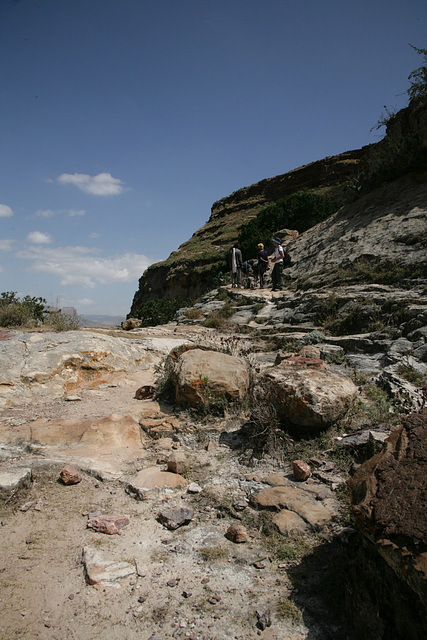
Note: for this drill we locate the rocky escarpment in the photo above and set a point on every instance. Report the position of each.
(190, 270)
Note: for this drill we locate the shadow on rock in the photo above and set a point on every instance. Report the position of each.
(319, 582)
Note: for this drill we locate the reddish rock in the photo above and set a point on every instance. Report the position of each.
(301, 470)
(70, 475)
(108, 524)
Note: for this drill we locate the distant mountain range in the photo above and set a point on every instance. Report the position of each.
(102, 321)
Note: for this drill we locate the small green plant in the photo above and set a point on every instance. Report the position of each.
(314, 337)
(193, 314)
(212, 554)
(211, 402)
(300, 211)
(417, 92)
(219, 319)
(164, 378)
(60, 321)
(411, 375)
(287, 609)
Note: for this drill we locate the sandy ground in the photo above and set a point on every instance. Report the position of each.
(188, 583)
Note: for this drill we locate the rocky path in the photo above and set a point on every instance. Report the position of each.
(215, 576)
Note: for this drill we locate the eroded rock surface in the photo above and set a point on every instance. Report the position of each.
(389, 497)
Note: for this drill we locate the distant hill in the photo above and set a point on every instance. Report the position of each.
(102, 321)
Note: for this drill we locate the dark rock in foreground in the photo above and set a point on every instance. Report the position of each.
(388, 565)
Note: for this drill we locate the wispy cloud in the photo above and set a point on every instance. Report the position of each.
(101, 185)
(38, 237)
(80, 266)
(74, 212)
(44, 213)
(5, 211)
(49, 213)
(6, 245)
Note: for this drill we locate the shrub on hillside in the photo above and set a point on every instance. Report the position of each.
(59, 321)
(18, 312)
(159, 311)
(301, 211)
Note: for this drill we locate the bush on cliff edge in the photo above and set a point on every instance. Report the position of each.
(301, 211)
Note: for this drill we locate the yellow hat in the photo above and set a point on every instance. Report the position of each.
(260, 246)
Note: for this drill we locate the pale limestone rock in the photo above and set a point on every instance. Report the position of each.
(297, 500)
(153, 478)
(309, 394)
(204, 377)
(177, 462)
(289, 523)
(109, 443)
(103, 571)
(13, 480)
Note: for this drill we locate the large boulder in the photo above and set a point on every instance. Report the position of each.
(204, 378)
(308, 393)
(389, 496)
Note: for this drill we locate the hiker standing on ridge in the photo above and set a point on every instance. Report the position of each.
(262, 258)
(277, 273)
(236, 262)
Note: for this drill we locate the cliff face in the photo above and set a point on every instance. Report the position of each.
(190, 270)
(187, 273)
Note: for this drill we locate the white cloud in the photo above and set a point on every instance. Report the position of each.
(101, 185)
(75, 212)
(48, 213)
(37, 237)
(6, 245)
(80, 266)
(84, 302)
(94, 235)
(5, 211)
(45, 213)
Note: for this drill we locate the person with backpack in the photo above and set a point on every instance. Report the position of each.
(277, 273)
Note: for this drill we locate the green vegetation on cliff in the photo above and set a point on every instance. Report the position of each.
(299, 211)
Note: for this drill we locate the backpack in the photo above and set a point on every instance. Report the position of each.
(286, 259)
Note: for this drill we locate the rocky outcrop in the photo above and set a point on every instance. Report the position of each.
(55, 365)
(389, 496)
(387, 228)
(395, 232)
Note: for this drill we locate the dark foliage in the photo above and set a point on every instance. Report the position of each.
(300, 211)
(160, 311)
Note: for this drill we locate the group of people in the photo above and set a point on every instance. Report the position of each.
(263, 262)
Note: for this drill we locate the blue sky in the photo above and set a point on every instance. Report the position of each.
(122, 121)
